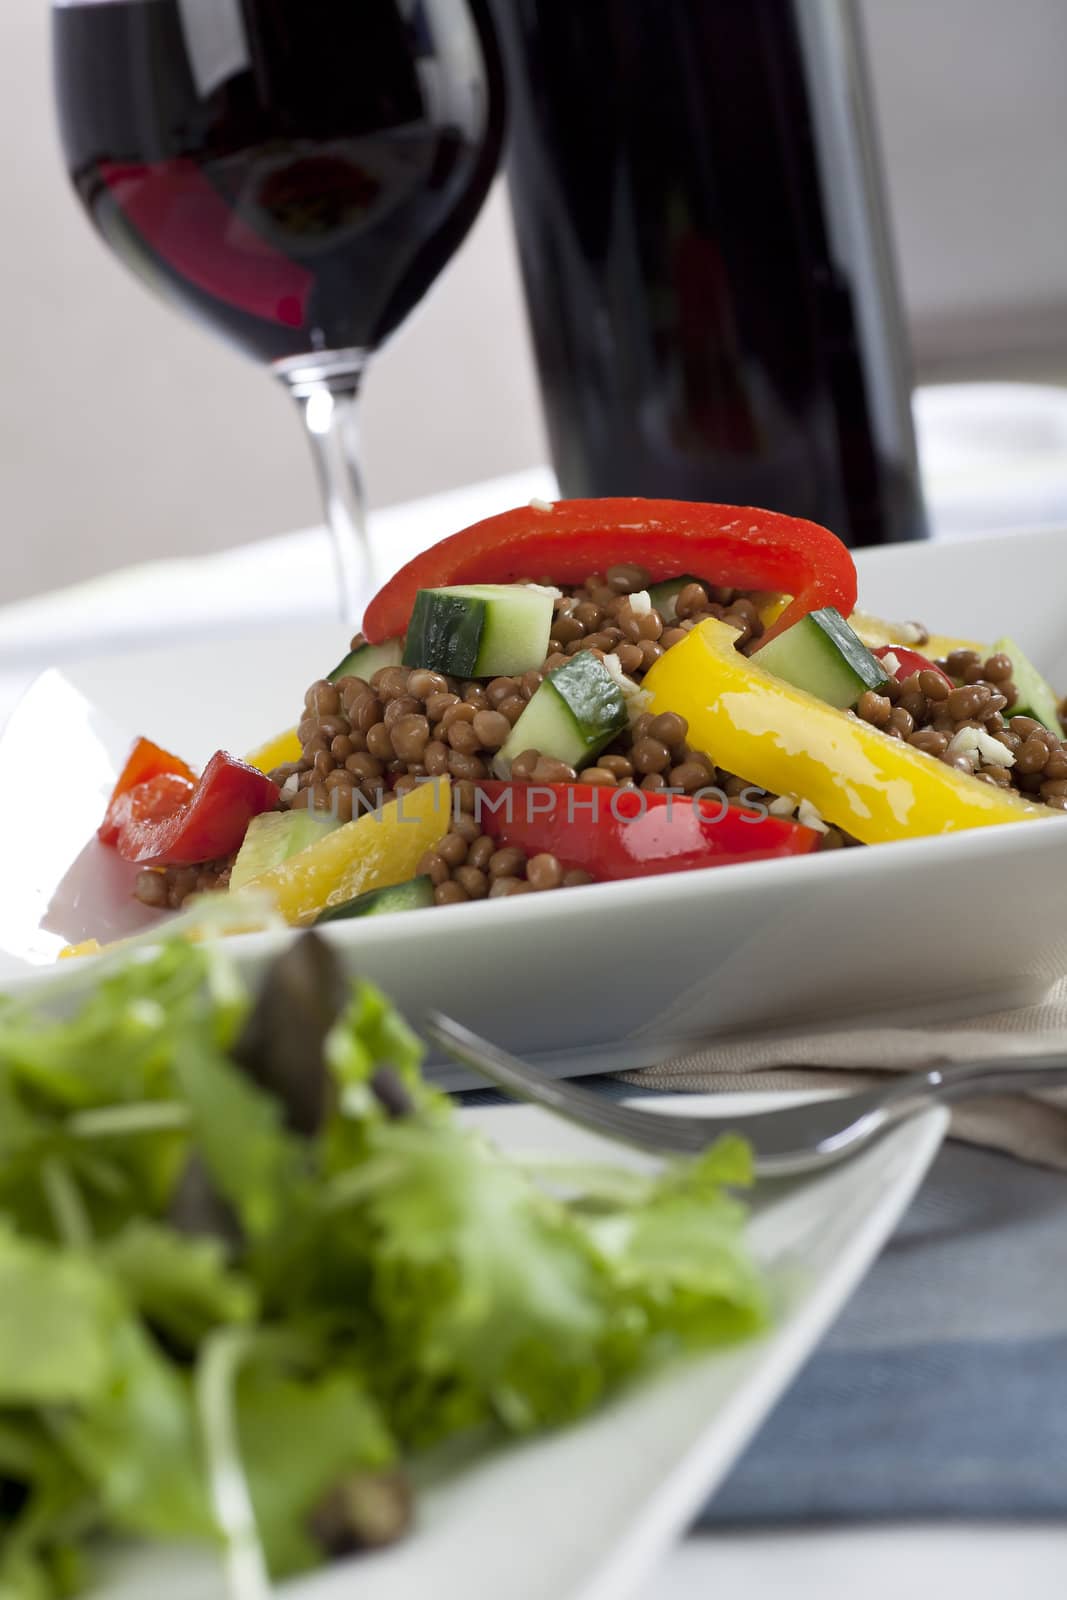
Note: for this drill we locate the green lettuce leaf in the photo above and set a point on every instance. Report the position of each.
(215, 1270)
(120, 1045)
(138, 1443)
(680, 1254)
(184, 1287)
(299, 1438)
(45, 1508)
(239, 1132)
(59, 1317)
(490, 1302)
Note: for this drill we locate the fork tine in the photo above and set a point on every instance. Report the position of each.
(674, 1135)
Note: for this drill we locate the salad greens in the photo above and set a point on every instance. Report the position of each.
(251, 1263)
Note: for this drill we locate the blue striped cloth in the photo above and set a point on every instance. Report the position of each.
(942, 1390)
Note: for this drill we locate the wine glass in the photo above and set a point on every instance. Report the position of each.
(295, 173)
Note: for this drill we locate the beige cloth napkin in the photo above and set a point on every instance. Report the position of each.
(1032, 1127)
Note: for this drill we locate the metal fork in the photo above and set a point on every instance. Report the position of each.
(785, 1142)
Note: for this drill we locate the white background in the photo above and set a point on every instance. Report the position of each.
(126, 432)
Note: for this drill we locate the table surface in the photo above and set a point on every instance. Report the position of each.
(98, 631)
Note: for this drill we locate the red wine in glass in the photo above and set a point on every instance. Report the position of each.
(295, 173)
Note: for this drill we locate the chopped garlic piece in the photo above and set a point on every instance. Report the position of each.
(637, 704)
(784, 806)
(637, 699)
(891, 663)
(291, 786)
(537, 504)
(979, 743)
(965, 743)
(614, 666)
(810, 817)
(641, 603)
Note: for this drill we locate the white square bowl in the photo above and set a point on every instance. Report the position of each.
(616, 975)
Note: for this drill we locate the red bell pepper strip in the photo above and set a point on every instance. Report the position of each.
(631, 833)
(909, 662)
(736, 546)
(169, 821)
(146, 761)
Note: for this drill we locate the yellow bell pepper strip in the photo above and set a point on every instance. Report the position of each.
(787, 741)
(876, 632)
(277, 752)
(770, 607)
(940, 645)
(74, 952)
(375, 851)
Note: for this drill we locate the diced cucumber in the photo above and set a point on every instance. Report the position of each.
(663, 596)
(369, 659)
(822, 655)
(415, 895)
(1036, 696)
(578, 710)
(273, 838)
(480, 630)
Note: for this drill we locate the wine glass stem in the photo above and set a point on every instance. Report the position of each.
(328, 407)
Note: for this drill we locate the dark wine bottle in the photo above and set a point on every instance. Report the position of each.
(707, 259)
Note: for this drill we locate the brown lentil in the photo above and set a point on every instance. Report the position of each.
(380, 742)
(472, 880)
(669, 728)
(463, 793)
(934, 744)
(410, 735)
(432, 866)
(544, 872)
(492, 729)
(874, 708)
(626, 578)
(462, 737)
(481, 851)
(998, 668)
(522, 768)
(549, 770)
(650, 755)
(513, 708)
(690, 600)
(506, 862)
(933, 685)
(689, 776)
(468, 767)
(1033, 755)
(450, 893)
(502, 887)
(900, 722)
(402, 705)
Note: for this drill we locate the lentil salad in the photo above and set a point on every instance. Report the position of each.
(616, 681)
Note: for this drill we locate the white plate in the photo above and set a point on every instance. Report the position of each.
(584, 1514)
(633, 970)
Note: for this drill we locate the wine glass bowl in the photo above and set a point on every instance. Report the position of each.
(294, 173)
